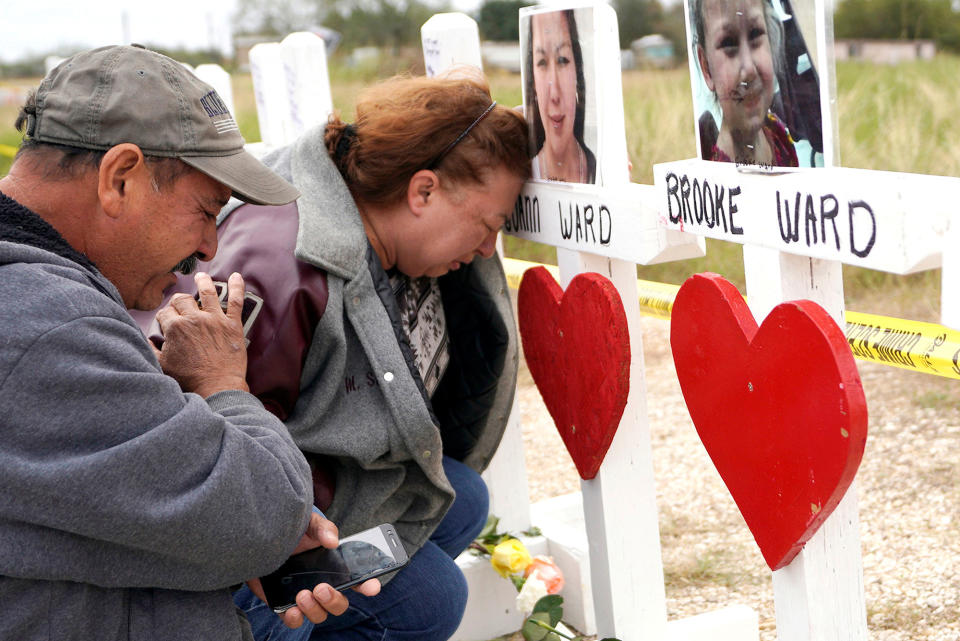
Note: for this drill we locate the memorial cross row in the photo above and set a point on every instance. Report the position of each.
(797, 227)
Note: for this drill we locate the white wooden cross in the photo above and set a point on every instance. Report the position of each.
(797, 228)
(608, 228)
(291, 85)
(886, 221)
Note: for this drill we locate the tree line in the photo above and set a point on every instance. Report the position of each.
(381, 23)
(394, 23)
(497, 20)
(935, 20)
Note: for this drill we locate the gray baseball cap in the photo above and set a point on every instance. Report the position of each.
(126, 94)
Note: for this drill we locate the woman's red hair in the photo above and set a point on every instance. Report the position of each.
(405, 123)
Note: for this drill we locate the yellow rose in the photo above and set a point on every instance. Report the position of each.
(510, 557)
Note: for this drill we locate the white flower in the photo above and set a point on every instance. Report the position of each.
(533, 590)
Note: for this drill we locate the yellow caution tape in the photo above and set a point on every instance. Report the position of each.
(8, 151)
(514, 267)
(922, 347)
(656, 299)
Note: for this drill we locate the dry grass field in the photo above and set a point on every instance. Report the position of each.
(897, 118)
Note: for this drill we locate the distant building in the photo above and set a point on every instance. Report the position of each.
(653, 51)
(243, 44)
(501, 55)
(361, 56)
(889, 52)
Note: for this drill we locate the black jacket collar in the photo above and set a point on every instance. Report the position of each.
(20, 225)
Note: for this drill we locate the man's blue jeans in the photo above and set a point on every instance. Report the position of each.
(423, 602)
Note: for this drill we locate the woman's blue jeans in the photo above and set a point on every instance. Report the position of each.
(423, 602)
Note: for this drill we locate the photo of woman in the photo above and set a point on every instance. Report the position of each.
(556, 97)
(764, 111)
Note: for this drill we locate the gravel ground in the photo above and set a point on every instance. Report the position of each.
(909, 496)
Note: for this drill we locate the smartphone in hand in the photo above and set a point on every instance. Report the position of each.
(363, 556)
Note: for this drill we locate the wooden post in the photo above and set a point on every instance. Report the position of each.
(620, 503)
(449, 39)
(304, 57)
(950, 284)
(819, 596)
(270, 92)
(618, 224)
(291, 84)
(218, 78)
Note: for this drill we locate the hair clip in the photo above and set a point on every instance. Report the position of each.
(436, 161)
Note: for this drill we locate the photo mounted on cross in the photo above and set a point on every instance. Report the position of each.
(755, 66)
(560, 92)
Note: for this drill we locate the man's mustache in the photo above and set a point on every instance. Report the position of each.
(186, 266)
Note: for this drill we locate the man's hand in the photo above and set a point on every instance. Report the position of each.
(203, 347)
(317, 604)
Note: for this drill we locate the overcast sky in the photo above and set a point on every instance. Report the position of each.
(42, 25)
(38, 26)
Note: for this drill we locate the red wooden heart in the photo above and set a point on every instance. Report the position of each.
(577, 348)
(780, 409)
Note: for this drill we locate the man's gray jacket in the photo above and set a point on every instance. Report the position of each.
(127, 508)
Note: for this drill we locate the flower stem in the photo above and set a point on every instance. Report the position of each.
(551, 628)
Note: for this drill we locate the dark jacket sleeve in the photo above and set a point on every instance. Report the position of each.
(284, 302)
(479, 342)
(134, 482)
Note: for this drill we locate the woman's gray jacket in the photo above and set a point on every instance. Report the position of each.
(356, 396)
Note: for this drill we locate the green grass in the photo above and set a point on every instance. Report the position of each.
(936, 393)
(895, 118)
(10, 137)
(909, 615)
(716, 567)
(934, 399)
(899, 118)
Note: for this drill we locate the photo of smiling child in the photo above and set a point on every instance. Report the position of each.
(758, 100)
(556, 96)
